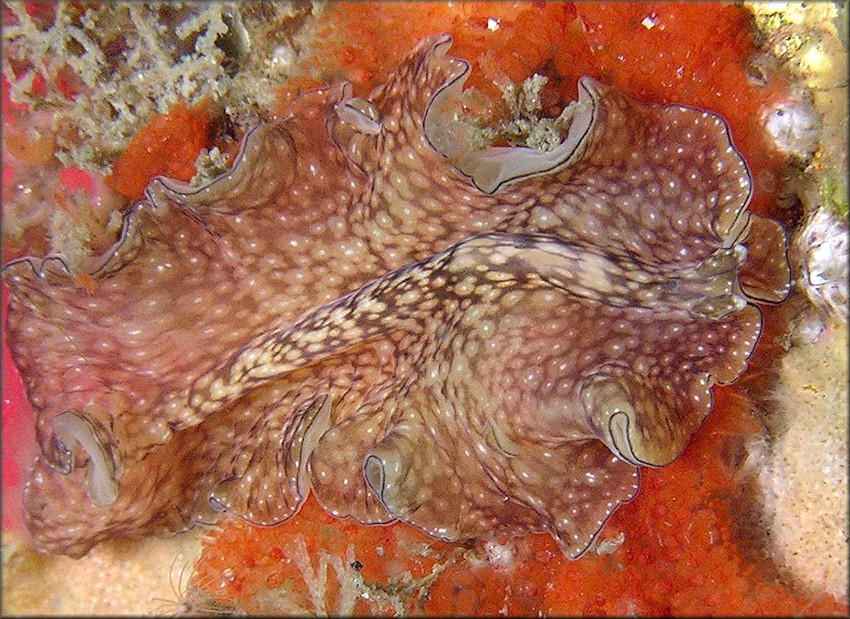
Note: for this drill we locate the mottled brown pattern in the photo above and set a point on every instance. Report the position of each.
(477, 353)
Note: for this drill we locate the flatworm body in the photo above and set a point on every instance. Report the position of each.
(477, 342)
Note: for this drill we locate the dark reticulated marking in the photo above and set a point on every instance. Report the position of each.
(366, 309)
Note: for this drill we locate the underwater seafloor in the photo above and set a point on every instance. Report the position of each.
(751, 519)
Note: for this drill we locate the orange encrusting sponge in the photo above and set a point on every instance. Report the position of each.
(166, 145)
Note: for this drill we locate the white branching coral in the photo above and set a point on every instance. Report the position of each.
(525, 125)
(331, 582)
(285, 600)
(124, 62)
